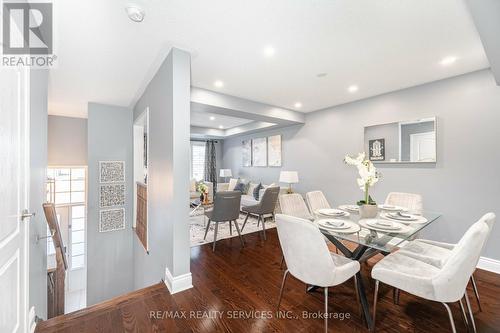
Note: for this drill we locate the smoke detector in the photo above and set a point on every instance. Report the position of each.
(135, 13)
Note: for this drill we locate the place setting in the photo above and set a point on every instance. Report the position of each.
(338, 226)
(332, 212)
(350, 208)
(384, 226)
(403, 217)
(391, 208)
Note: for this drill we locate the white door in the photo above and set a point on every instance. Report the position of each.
(14, 170)
(423, 147)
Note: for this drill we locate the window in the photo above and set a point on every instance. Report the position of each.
(198, 160)
(77, 236)
(66, 188)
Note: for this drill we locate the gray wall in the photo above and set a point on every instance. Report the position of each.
(109, 254)
(38, 167)
(464, 183)
(67, 141)
(168, 97)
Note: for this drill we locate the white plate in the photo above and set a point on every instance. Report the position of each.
(352, 227)
(391, 208)
(332, 212)
(383, 224)
(414, 219)
(351, 208)
(333, 224)
(402, 228)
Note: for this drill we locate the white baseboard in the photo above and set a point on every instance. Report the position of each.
(178, 283)
(489, 264)
(32, 320)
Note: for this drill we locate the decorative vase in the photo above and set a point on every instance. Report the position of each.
(205, 198)
(368, 211)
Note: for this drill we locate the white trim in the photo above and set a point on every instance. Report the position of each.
(489, 264)
(32, 320)
(178, 283)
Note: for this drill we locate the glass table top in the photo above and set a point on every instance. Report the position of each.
(372, 232)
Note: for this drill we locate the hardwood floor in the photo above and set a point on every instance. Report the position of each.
(245, 282)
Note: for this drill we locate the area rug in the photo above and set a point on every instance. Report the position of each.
(198, 226)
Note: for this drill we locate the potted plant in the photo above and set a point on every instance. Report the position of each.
(368, 176)
(203, 189)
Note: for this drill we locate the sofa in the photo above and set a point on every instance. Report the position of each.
(247, 199)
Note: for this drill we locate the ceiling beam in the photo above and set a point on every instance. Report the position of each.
(203, 100)
(486, 16)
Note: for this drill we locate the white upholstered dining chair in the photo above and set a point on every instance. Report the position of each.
(437, 253)
(446, 284)
(413, 202)
(293, 205)
(316, 200)
(308, 258)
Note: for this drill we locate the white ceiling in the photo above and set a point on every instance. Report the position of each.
(203, 119)
(379, 45)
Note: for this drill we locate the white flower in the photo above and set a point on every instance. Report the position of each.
(356, 161)
(367, 172)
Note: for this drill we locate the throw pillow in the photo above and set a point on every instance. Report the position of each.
(251, 187)
(232, 184)
(240, 187)
(256, 191)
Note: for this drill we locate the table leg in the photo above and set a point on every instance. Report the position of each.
(357, 254)
(364, 301)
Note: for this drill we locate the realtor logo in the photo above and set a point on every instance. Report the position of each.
(27, 35)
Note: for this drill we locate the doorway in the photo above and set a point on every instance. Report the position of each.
(67, 189)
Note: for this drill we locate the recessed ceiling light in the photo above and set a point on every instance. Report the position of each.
(221, 127)
(446, 61)
(219, 84)
(212, 118)
(353, 88)
(298, 105)
(135, 13)
(269, 51)
(321, 74)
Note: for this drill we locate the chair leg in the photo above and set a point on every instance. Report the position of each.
(474, 286)
(258, 221)
(263, 228)
(375, 299)
(357, 295)
(470, 312)
(244, 223)
(239, 233)
(281, 289)
(450, 315)
(464, 316)
(395, 296)
(215, 235)
(326, 309)
(206, 230)
(230, 228)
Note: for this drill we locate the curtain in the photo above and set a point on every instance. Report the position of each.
(210, 163)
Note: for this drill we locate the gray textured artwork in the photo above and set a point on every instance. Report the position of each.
(111, 171)
(112, 219)
(112, 195)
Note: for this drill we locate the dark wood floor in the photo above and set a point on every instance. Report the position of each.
(245, 282)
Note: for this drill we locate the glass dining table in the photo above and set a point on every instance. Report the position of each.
(368, 237)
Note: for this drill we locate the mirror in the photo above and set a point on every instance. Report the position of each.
(402, 142)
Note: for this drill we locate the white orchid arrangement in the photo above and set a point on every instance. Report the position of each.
(368, 174)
